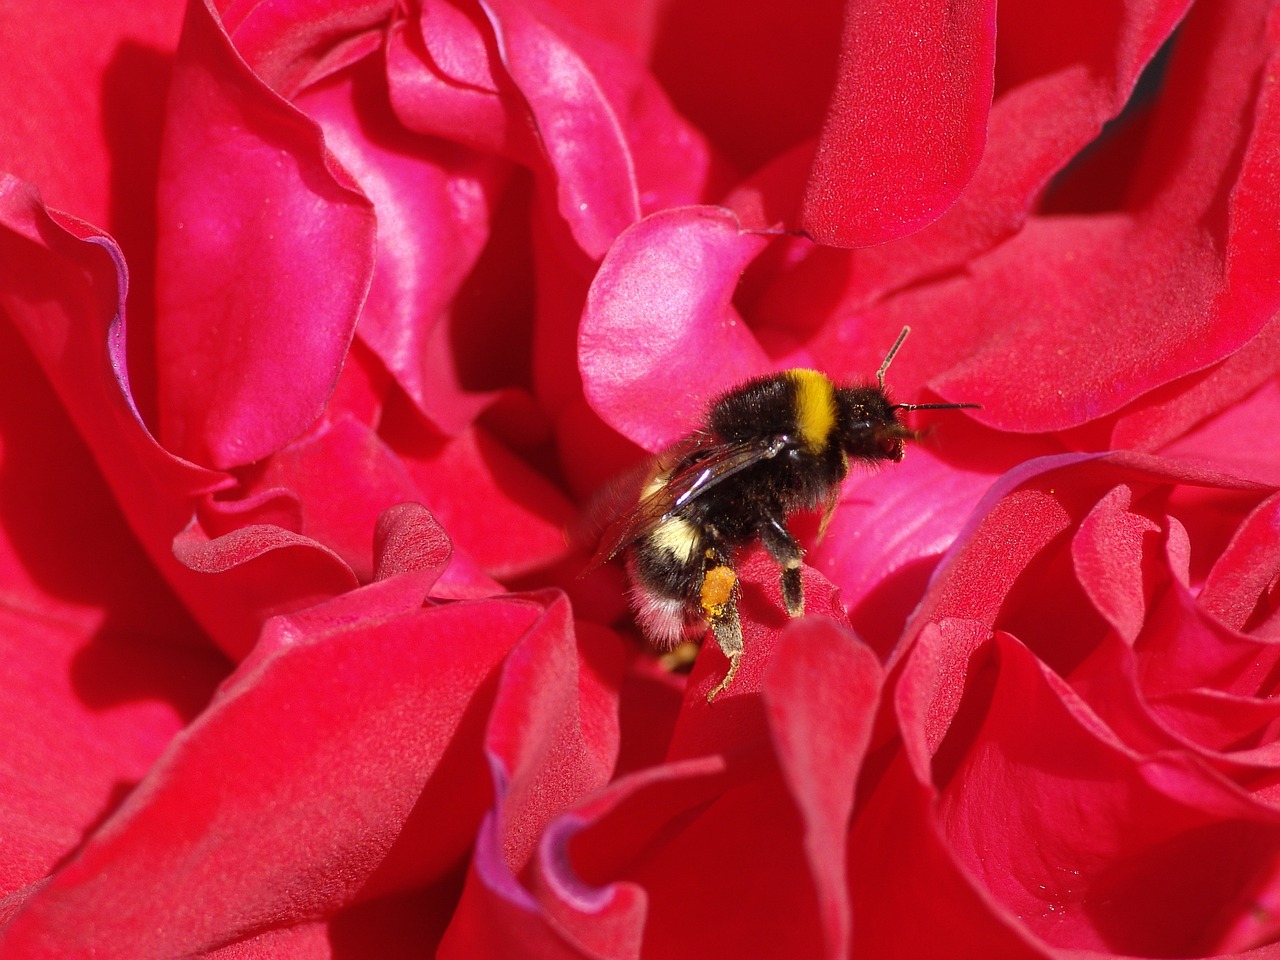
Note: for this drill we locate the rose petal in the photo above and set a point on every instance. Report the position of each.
(577, 126)
(889, 163)
(407, 539)
(821, 692)
(103, 666)
(1061, 74)
(552, 738)
(661, 304)
(253, 211)
(295, 44)
(1174, 413)
(76, 281)
(434, 202)
(1108, 553)
(1118, 839)
(95, 93)
(440, 74)
(737, 716)
(510, 81)
(1236, 590)
(371, 754)
(910, 897)
(268, 569)
(699, 55)
(1183, 299)
(495, 506)
(344, 477)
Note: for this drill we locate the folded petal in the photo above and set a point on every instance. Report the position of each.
(266, 250)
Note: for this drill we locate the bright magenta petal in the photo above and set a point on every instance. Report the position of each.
(660, 306)
(907, 121)
(70, 311)
(494, 505)
(91, 89)
(344, 477)
(265, 255)
(1093, 847)
(301, 42)
(434, 202)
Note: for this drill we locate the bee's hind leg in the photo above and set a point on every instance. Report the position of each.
(719, 601)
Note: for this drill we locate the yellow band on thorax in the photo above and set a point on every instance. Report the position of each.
(815, 408)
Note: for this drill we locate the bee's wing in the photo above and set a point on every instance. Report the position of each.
(697, 466)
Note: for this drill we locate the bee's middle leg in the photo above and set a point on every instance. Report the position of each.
(789, 554)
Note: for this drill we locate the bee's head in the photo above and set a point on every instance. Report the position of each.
(867, 421)
(868, 424)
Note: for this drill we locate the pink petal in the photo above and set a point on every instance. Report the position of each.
(292, 45)
(891, 526)
(268, 569)
(71, 315)
(510, 81)
(1062, 74)
(907, 122)
(552, 738)
(552, 735)
(1228, 440)
(1238, 587)
(680, 827)
(253, 211)
(910, 896)
(408, 540)
(1187, 648)
(701, 54)
(577, 126)
(510, 518)
(440, 76)
(661, 304)
(433, 203)
(1109, 551)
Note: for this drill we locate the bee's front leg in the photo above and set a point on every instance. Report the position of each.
(789, 554)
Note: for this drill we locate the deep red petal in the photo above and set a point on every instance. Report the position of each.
(907, 122)
(369, 750)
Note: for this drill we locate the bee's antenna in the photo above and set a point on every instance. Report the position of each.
(937, 406)
(893, 352)
(884, 367)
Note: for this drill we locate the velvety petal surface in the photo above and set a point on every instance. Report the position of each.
(358, 722)
(907, 121)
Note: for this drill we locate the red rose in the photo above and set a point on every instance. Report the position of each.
(1087, 723)
(323, 321)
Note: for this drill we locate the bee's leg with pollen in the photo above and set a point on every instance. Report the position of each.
(719, 601)
(789, 554)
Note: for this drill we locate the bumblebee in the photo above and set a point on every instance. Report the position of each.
(773, 446)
